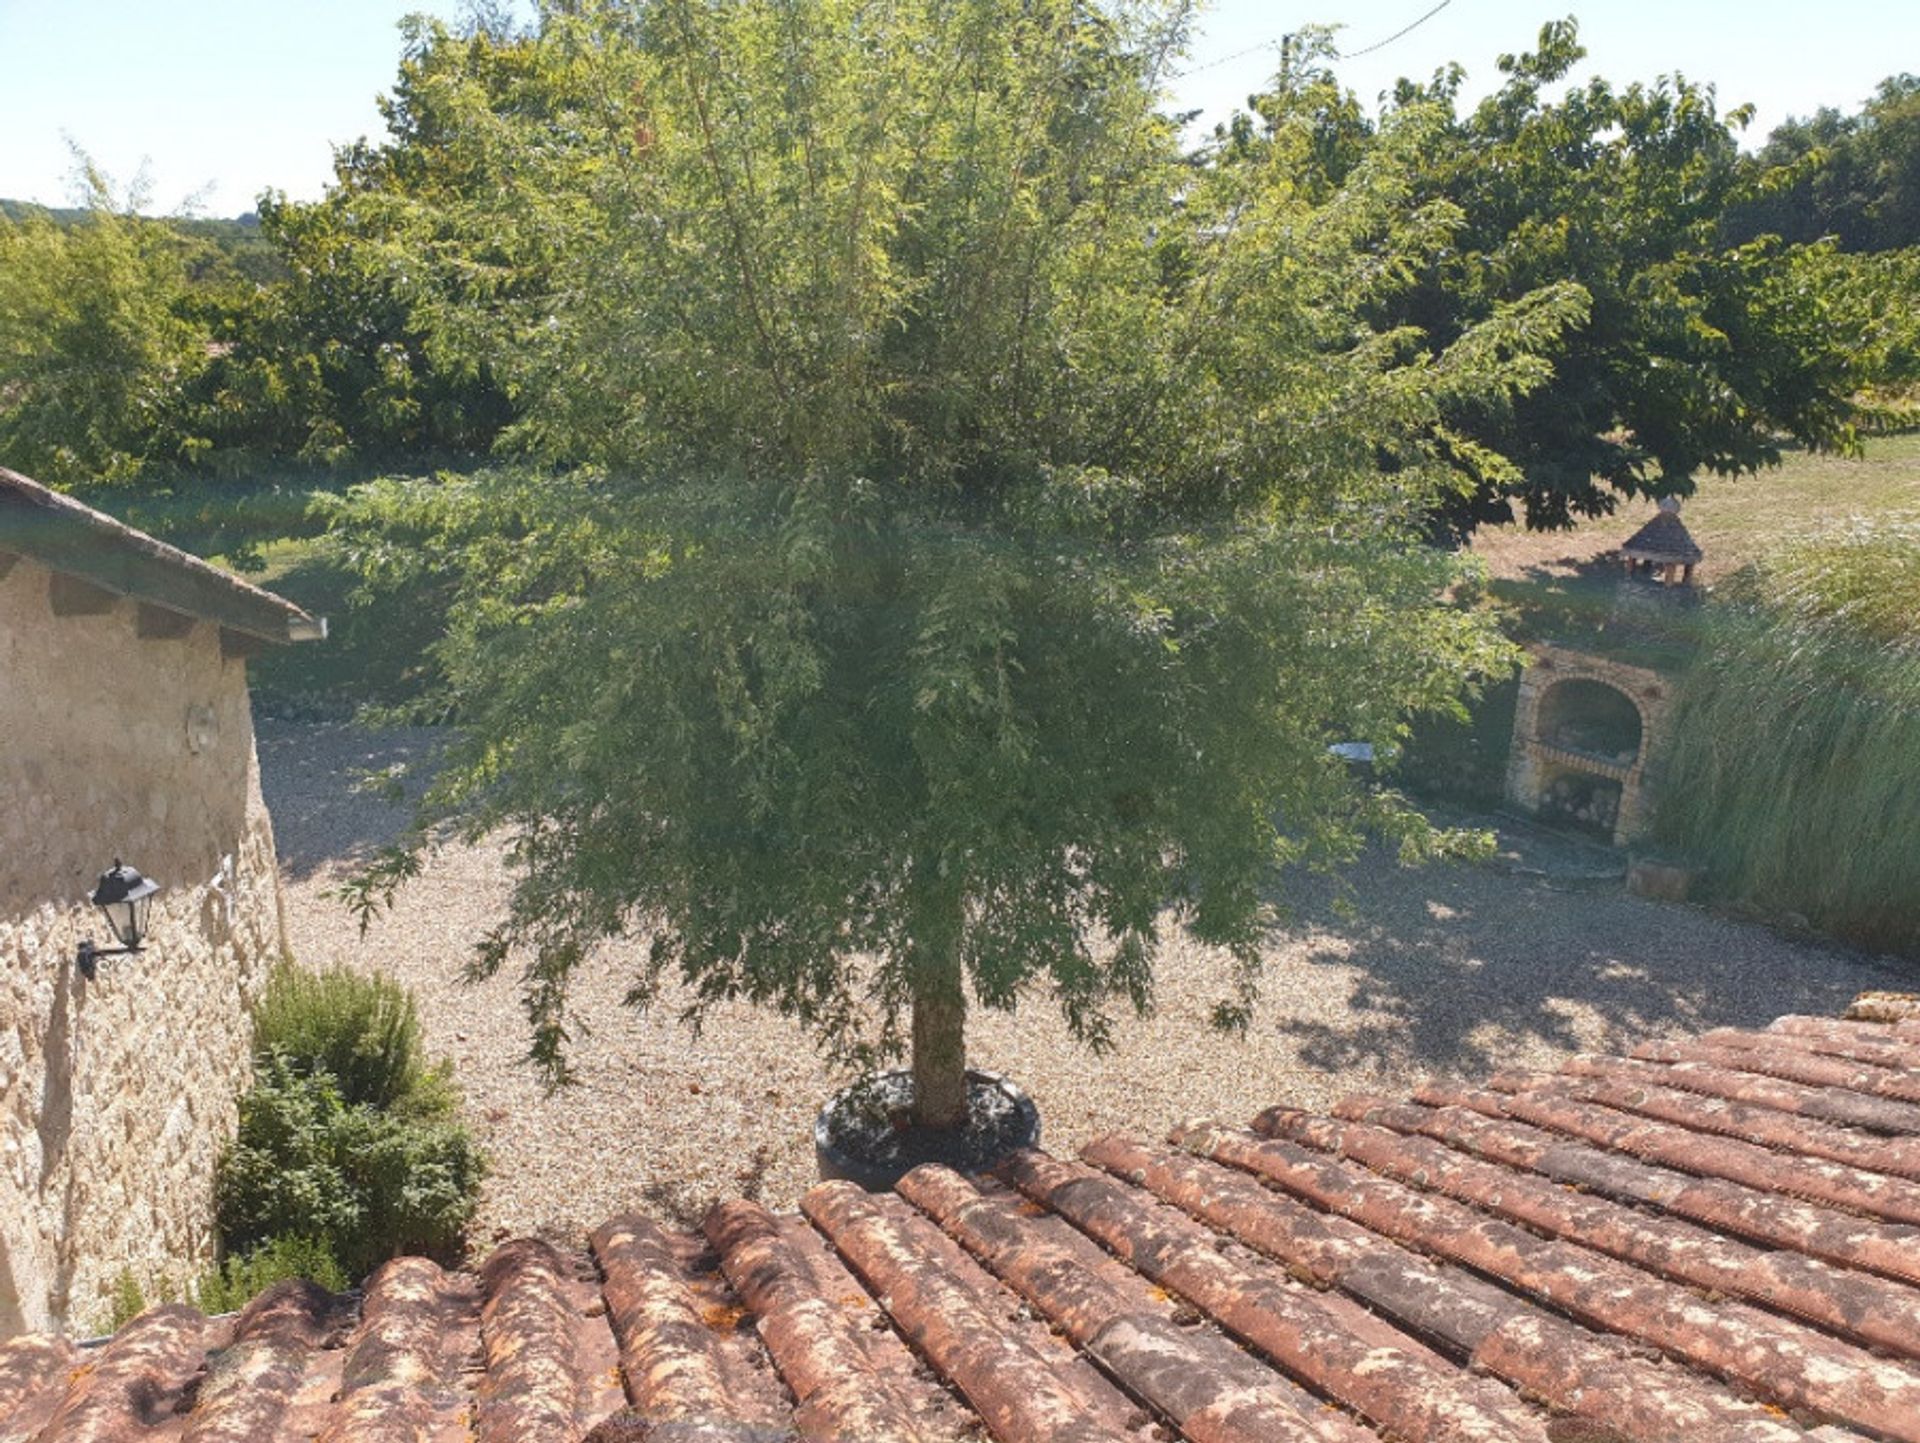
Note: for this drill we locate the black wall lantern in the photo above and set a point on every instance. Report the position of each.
(124, 896)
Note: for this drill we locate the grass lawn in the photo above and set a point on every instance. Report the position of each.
(368, 656)
(1733, 519)
(1560, 586)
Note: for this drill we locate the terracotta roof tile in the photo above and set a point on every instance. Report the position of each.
(1715, 1241)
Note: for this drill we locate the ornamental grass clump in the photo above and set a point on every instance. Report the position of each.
(1795, 773)
(349, 1146)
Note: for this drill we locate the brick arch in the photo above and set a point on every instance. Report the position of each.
(1642, 725)
(1534, 758)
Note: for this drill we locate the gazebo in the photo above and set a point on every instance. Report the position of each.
(1662, 549)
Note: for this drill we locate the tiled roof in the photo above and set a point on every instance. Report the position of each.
(1715, 1241)
(1665, 538)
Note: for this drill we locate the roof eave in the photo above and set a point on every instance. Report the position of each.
(70, 537)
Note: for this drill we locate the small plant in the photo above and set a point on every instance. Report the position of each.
(361, 1030)
(127, 1301)
(230, 1285)
(350, 1149)
(129, 1297)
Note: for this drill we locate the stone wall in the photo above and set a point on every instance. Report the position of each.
(1534, 760)
(124, 733)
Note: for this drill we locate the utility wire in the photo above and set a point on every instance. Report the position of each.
(1224, 59)
(1407, 30)
(1218, 61)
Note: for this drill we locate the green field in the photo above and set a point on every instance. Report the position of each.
(1733, 519)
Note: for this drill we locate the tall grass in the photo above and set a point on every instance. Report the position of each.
(1795, 773)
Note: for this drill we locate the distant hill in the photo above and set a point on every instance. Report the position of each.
(21, 209)
(223, 250)
(213, 228)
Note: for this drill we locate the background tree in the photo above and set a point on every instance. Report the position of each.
(1696, 355)
(991, 516)
(1853, 177)
(376, 348)
(96, 342)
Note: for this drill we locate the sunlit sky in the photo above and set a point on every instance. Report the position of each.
(221, 99)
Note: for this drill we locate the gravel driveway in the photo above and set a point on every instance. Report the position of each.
(1436, 970)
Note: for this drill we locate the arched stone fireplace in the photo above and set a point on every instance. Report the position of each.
(1586, 731)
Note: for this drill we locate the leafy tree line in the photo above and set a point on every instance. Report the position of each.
(1702, 352)
(375, 329)
(1854, 177)
(1848, 187)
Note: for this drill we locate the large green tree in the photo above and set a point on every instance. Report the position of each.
(1698, 356)
(990, 517)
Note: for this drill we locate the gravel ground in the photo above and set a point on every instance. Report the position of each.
(1436, 970)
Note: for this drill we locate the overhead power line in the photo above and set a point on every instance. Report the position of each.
(1406, 30)
(1281, 46)
(1225, 59)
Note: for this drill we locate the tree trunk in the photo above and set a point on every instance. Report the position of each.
(939, 1043)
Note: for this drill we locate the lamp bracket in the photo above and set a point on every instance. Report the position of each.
(87, 959)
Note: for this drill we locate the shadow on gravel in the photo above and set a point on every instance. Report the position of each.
(311, 774)
(1450, 966)
(1456, 961)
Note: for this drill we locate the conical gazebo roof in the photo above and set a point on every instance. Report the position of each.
(1663, 540)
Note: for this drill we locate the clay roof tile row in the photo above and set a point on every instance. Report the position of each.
(1715, 1241)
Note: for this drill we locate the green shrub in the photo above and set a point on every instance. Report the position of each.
(361, 1030)
(231, 1285)
(127, 1301)
(1795, 773)
(366, 1183)
(1463, 759)
(350, 1149)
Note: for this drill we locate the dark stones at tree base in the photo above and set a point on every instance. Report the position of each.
(865, 1134)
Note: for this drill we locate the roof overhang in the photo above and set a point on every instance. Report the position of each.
(76, 541)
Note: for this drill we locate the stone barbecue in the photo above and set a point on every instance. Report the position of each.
(1588, 730)
(1585, 731)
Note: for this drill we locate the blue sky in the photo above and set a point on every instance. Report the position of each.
(223, 98)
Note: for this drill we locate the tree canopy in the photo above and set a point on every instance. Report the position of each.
(95, 343)
(988, 519)
(1696, 355)
(402, 321)
(1853, 177)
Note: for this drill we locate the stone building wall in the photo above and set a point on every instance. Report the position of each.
(1533, 760)
(124, 733)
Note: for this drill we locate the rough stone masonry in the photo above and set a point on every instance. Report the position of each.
(125, 731)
